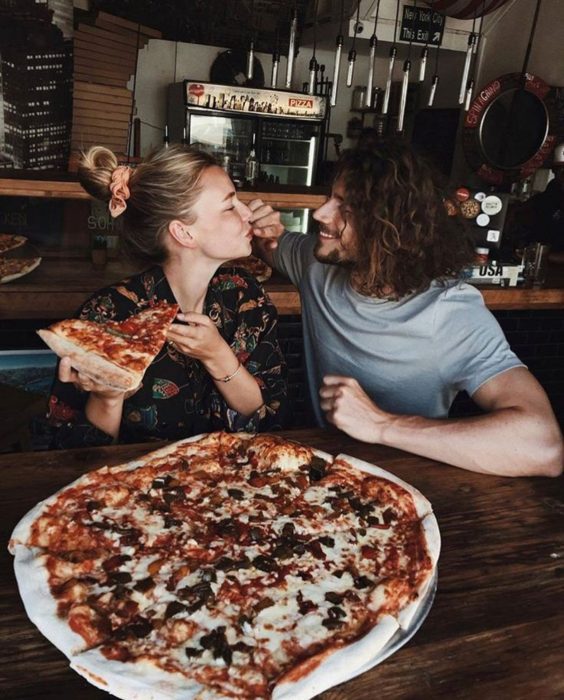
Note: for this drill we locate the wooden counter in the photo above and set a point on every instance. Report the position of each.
(494, 630)
(59, 286)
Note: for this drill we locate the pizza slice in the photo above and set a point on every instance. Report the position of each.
(9, 241)
(113, 353)
(255, 266)
(12, 268)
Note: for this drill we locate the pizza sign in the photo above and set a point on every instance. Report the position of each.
(300, 102)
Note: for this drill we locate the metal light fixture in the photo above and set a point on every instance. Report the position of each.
(292, 48)
(338, 54)
(403, 97)
(274, 72)
(371, 60)
(251, 61)
(313, 65)
(393, 54)
(352, 52)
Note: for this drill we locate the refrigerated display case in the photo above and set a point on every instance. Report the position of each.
(284, 128)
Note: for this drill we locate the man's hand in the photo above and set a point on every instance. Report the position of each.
(266, 227)
(348, 407)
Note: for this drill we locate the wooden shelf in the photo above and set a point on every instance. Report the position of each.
(69, 189)
(64, 189)
(58, 287)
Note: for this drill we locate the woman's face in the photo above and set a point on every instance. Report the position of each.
(221, 227)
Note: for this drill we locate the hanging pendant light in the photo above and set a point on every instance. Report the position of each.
(393, 54)
(435, 79)
(470, 84)
(313, 65)
(423, 63)
(274, 71)
(371, 60)
(433, 90)
(251, 52)
(465, 72)
(338, 53)
(251, 61)
(352, 52)
(403, 97)
(292, 48)
(405, 81)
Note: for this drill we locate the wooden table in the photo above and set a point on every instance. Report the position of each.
(496, 628)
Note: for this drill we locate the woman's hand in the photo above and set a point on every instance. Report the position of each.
(199, 338)
(83, 382)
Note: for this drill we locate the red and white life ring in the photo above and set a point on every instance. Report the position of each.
(465, 9)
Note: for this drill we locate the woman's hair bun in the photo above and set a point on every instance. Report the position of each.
(95, 171)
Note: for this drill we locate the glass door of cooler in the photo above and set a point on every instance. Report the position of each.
(229, 139)
(298, 220)
(287, 152)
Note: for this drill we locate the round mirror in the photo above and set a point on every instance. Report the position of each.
(507, 130)
(513, 128)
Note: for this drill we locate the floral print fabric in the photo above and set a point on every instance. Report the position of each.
(177, 397)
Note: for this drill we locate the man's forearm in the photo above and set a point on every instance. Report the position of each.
(507, 442)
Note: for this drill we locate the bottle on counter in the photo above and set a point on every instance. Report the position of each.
(481, 255)
(251, 168)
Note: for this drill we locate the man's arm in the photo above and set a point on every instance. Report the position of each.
(519, 435)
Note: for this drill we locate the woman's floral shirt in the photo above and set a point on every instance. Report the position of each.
(177, 397)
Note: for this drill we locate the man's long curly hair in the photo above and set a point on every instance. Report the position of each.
(405, 238)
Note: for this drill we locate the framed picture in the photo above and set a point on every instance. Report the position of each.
(31, 370)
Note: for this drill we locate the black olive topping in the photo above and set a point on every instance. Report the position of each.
(265, 563)
(237, 494)
(145, 584)
(317, 469)
(362, 582)
(334, 597)
(327, 541)
(161, 481)
(191, 652)
(119, 577)
(332, 623)
(336, 612)
(173, 608)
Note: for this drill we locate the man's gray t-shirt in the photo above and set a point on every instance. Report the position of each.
(411, 356)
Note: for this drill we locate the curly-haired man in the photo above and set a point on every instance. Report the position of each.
(391, 334)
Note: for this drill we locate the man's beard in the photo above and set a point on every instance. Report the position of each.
(335, 257)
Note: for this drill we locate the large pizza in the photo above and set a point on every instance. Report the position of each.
(227, 566)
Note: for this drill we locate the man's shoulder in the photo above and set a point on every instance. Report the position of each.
(452, 299)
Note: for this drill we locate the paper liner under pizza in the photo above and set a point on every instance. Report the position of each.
(113, 353)
(228, 566)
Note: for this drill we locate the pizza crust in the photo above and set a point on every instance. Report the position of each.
(338, 667)
(33, 263)
(11, 241)
(40, 606)
(94, 366)
(422, 505)
(140, 680)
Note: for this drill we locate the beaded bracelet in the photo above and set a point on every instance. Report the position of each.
(229, 377)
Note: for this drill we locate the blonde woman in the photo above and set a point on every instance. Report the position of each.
(222, 367)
